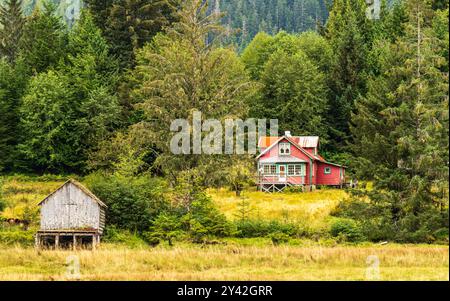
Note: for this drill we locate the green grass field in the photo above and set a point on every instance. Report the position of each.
(233, 259)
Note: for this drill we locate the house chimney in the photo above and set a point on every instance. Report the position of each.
(288, 134)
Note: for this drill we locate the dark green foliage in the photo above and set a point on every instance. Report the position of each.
(11, 24)
(121, 236)
(44, 40)
(293, 86)
(204, 220)
(380, 220)
(401, 136)
(350, 35)
(165, 227)
(132, 23)
(262, 228)
(12, 85)
(68, 111)
(347, 230)
(100, 10)
(133, 203)
(294, 91)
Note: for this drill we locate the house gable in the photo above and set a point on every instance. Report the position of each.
(296, 150)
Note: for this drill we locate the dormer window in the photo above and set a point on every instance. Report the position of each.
(284, 149)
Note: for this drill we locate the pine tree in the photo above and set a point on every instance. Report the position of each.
(11, 24)
(349, 33)
(100, 10)
(44, 39)
(132, 23)
(401, 130)
(67, 111)
(13, 80)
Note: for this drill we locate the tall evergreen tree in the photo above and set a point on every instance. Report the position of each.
(44, 39)
(67, 111)
(349, 33)
(11, 24)
(100, 11)
(401, 132)
(12, 83)
(132, 23)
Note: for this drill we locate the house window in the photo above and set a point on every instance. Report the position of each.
(327, 170)
(284, 149)
(297, 170)
(291, 170)
(270, 169)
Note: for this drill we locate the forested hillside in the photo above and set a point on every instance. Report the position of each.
(248, 17)
(244, 18)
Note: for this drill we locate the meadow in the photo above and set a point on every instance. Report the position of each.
(311, 209)
(229, 259)
(233, 261)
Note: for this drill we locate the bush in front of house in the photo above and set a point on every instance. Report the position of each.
(347, 230)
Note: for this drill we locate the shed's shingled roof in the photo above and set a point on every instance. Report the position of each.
(81, 187)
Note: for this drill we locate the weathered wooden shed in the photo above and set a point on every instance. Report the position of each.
(71, 216)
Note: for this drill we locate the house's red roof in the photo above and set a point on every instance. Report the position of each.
(302, 141)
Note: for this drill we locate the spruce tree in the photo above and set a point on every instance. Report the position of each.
(401, 130)
(100, 10)
(44, 39)
(132, 23)
(11, 24)
(67, 111)
(349, 33)
(13, 80)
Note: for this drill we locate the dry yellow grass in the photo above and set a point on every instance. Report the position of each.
(230, 262)
(311, 208)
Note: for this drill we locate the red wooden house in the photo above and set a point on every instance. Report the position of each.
(295, 161)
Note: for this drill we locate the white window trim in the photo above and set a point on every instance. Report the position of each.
(285, 146)
(327, 170)
(270, 167)
(299, 170)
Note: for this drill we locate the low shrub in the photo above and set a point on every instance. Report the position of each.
(262, 228)
(279, 238)
(347, 230)
(165, 227)
(205, 221)
(125, 237)
(294, 189)
(11, 237)
(442, 235)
